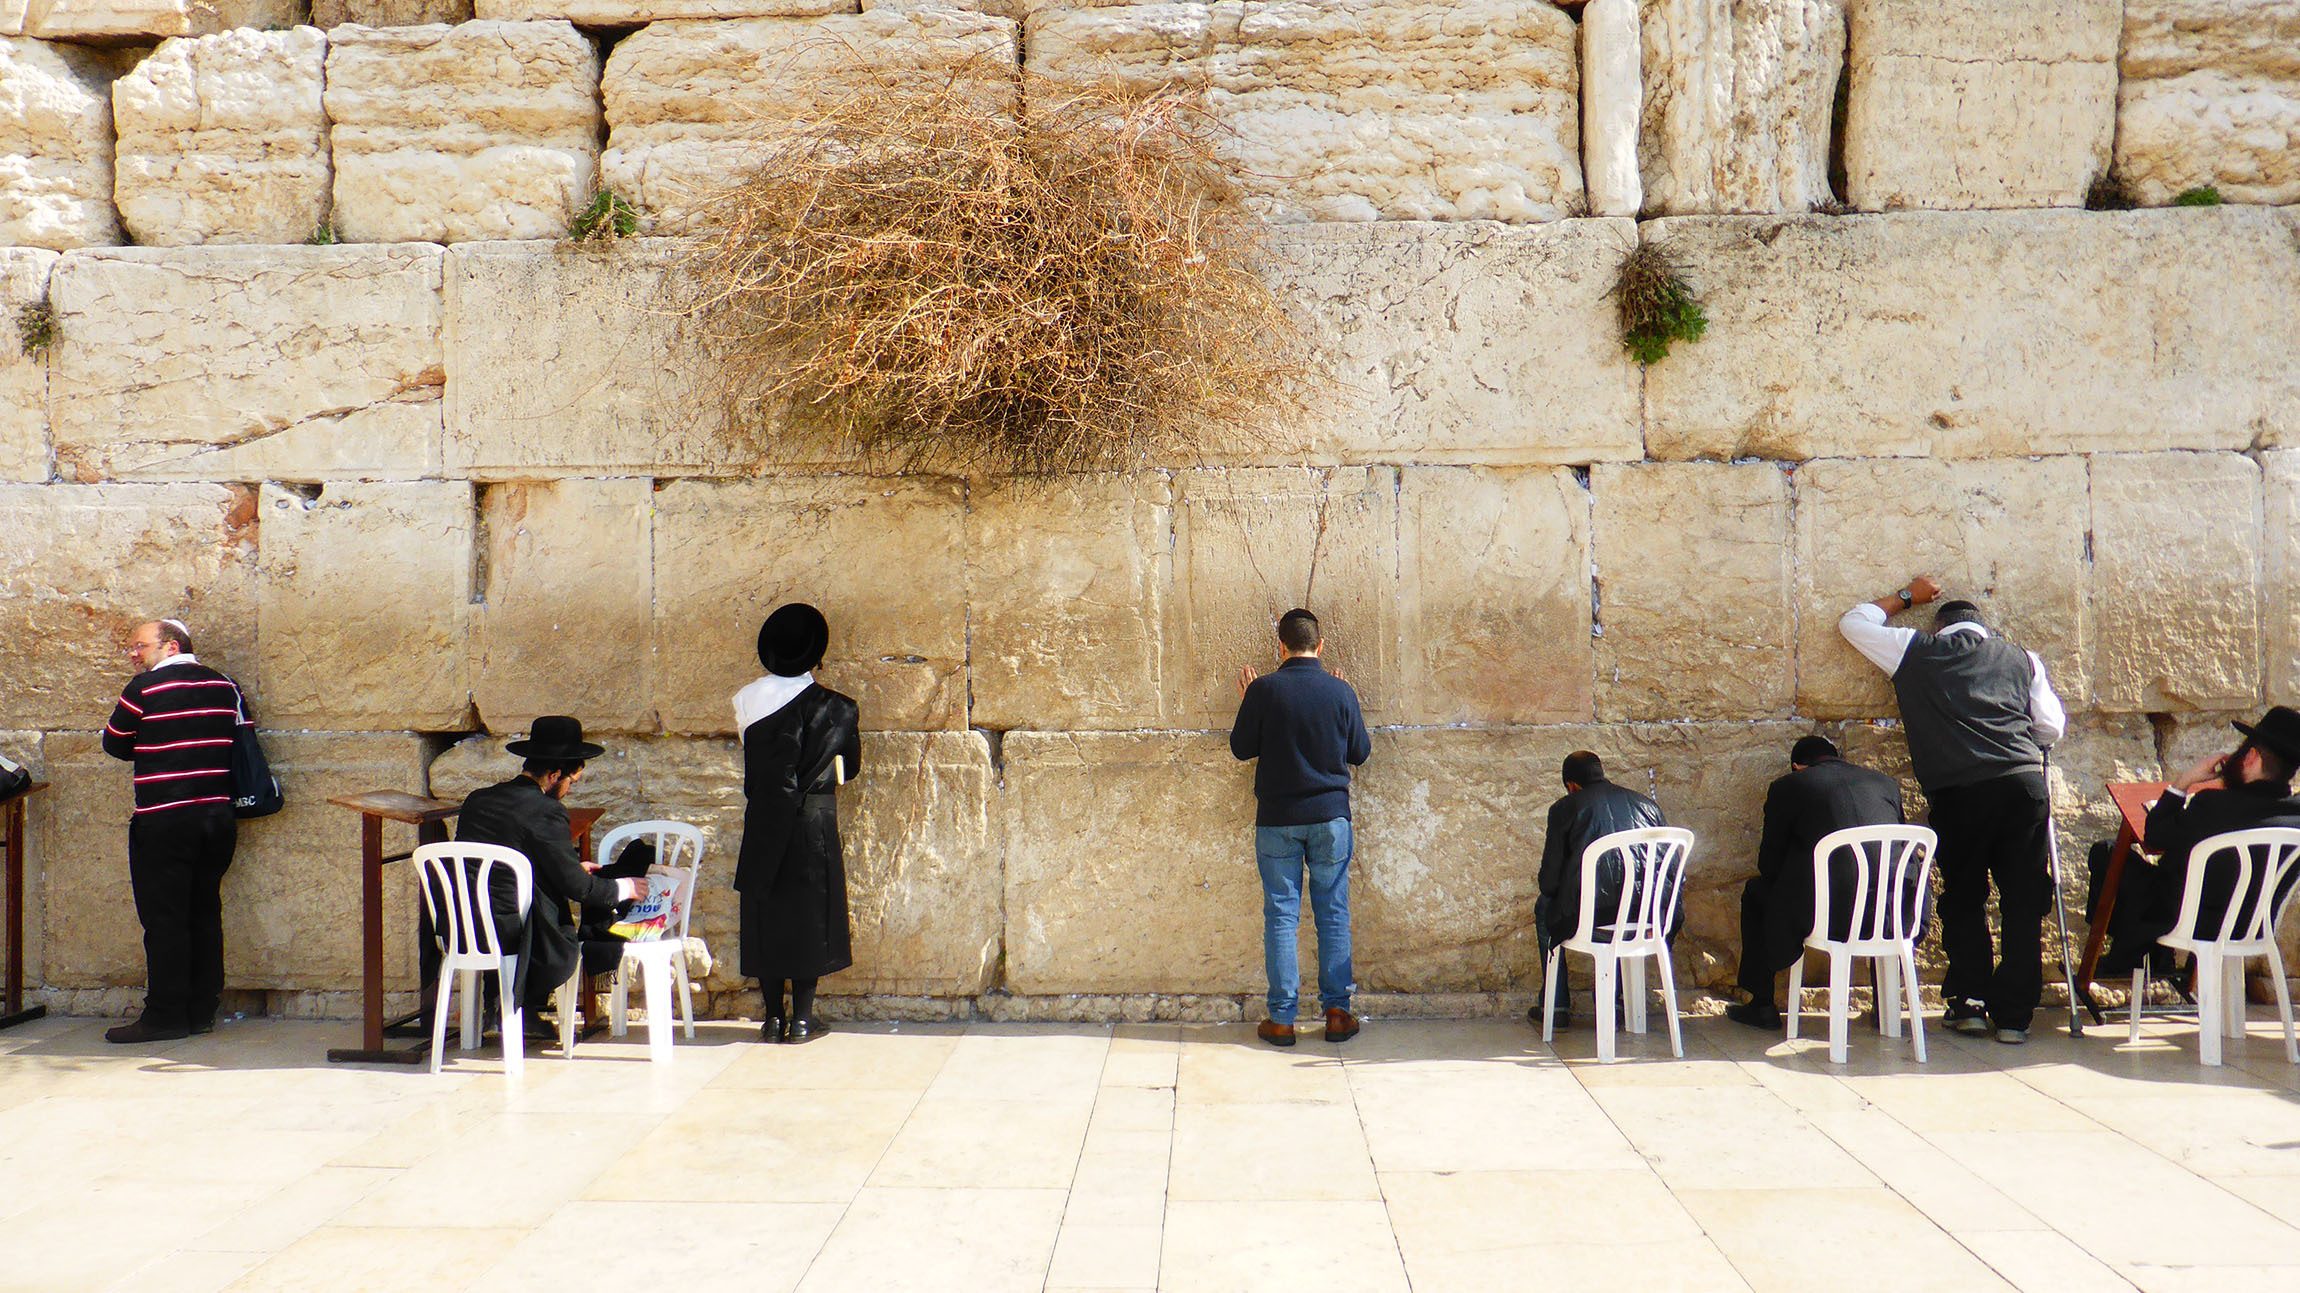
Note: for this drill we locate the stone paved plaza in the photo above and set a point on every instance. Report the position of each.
(1424, 1155)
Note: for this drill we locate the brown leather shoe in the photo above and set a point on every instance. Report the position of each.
(1341, 1025)
(1275, 1033)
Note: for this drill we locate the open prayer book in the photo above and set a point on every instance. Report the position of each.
(653, 916)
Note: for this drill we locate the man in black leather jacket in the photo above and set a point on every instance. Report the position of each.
(1591, 808)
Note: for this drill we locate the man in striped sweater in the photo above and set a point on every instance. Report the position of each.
(175, 723)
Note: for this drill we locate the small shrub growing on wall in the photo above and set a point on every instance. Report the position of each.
(36, 328)
(608, 218)
(2203, 195)
(1656, 303)
(927, 279)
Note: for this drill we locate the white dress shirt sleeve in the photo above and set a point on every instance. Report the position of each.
(1864, 626)
(2048, 722)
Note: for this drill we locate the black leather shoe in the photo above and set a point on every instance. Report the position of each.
(203, 1026)
(803, 1029)
(1756, 1014)
(1564, 1015)
(772, 1029)
(139, 1032)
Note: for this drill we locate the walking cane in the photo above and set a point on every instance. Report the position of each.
(2059, 905)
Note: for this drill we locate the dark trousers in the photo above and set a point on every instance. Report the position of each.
(176, 864)
(1763, 955)
(1994, 831)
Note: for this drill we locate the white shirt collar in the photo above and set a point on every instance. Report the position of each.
(1964, 626)
(180, 657)
(767, 695)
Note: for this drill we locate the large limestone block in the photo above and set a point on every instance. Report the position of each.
(692, 105)
(132, 20)
(884, 559)
(2281, 573)
(89, 936)
(1253, 543)
(632, 13)
(23, 372)
(1356, 109)
(2176, 548)
(605, 374)
(2210, 95)
(222, 139)
(390, 13)
(1494, 596)
(456, 134)
(85, 564)
(569, 600)
(1979, 334)
(55, 146)
(1693, 584)
(2009, 536)
(1979, 103)
(1612, 101)
(1069, 581)
(365, 618)
(1459, 343)
(1738, 96)
(309, 363)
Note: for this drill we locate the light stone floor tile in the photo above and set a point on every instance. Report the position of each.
(2043, 1261)
(694, 1248)
(2278, 1196)
(1090, 1256)
(1141, 1068)
(514, 1177)
(1279, 1247)
(295, 1210)
(1238, 1152)
(1968, 1102)
(1133, 1108)
(899, 1240)
(2215, 1279)
(1522, 1121)
(1453, 1214)
(188, 1272)
(1023, 1062)
(1835, 1239)
(1917, 1170)
(1007, 1144)
(759, 1146)
(2252, 1134)
(855, 1057)
(1227, 1066)
(1731, 1138)
(347, 1259)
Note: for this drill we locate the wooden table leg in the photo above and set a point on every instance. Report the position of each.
(2103, 907)
(371, 1049)
(12, 1011)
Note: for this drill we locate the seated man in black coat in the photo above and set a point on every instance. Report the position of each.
(1821, 794)
(524, 813)
(1591, 808)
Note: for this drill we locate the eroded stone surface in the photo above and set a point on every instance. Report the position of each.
(2008, 535)
(222, 139)
(390, 13)
(1494, 596)
(87, 564)
(308, 363)
(884, 559)
(89, 936)
(55, 146)
(2175, 581)
(365, 619)
(1068, 583)
(570, 590)
(2281, 573)
(1971, 334)
(1979, 103)
(691, 105)
(23, 369)
(1709, 637)
(632, 13)
(1612, 101)
(2210, 95)
(454, 134)
(128, 20)
(1738, 95)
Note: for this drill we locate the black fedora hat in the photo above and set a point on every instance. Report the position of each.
(793, 639)
(2278, 730)
(558, 738)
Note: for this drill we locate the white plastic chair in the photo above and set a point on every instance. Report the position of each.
(455, 879)
(1892, 870)
(2247, 929)
(1652, 874)
(662, 962)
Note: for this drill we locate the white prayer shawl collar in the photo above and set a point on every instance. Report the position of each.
(765, 696)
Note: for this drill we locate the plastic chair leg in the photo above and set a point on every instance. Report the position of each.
(1908, 973)
(1549, 996)
(439, 1019)
(470, 1016)
(1888, 995)
(619, 1001)
(2139, 994)
(1796, 992)
(1840, 1003)
(1633, 994)
(658, 974)
(686, 994)
(2283, 1002)
(2210, 1013)
(1605, 994)
(2234, 989)
(514, 1028)
(1669, 1003)
(568, 998)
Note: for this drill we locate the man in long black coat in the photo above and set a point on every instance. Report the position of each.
(791, 871)
(1591, 808)
(1822, 793)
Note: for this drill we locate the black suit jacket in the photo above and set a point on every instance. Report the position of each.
(2176, 826)
(1579, 818)
(517, 814)
(1800, 809)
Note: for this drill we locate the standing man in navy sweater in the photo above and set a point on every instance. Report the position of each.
(1303, 724)
(175, 722)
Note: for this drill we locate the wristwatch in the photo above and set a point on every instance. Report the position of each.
(1908, 598)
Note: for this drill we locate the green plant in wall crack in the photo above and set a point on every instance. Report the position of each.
(323, 235)
(608, 219)
(2203, 195)
(1657, 304)
(36, 327)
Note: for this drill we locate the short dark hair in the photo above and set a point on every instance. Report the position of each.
(540, 768)
(1584, 768)
(1956, 612)
(1810, 750)
(174, 631)
(2274, 767)
(1298, 630)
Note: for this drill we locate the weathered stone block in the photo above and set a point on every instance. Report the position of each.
(1707, 638)
(632, 13)
(222, 140)
(2210, 95)
(390, 13)
(1493, 596)
(1460, 343)
(131, 20)
(55, 146)
(1971, 334)
(87, 564)
(569, 598)
(1980, 103)
(2008, 535)
(884, 559)
(1738, 96)
(1068, 585)
(89, 936)
(925, 882)
(1356, 109)
(2176, 581)
(310, 363)
(23, 367)
(2280, 579)
(1612, 101)
(609, 377)
(455, 134)
(691, 105)
(1253, 543)
(365, 618)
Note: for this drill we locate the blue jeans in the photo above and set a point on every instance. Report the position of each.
(1283, 852)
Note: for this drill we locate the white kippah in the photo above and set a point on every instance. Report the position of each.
(178, 626)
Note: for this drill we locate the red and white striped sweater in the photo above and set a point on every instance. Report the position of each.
(175, 722)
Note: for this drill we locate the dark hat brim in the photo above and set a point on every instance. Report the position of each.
(2279, 730)
(793, 639)
(558, 753)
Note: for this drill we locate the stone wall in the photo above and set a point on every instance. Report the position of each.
(418, 486)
